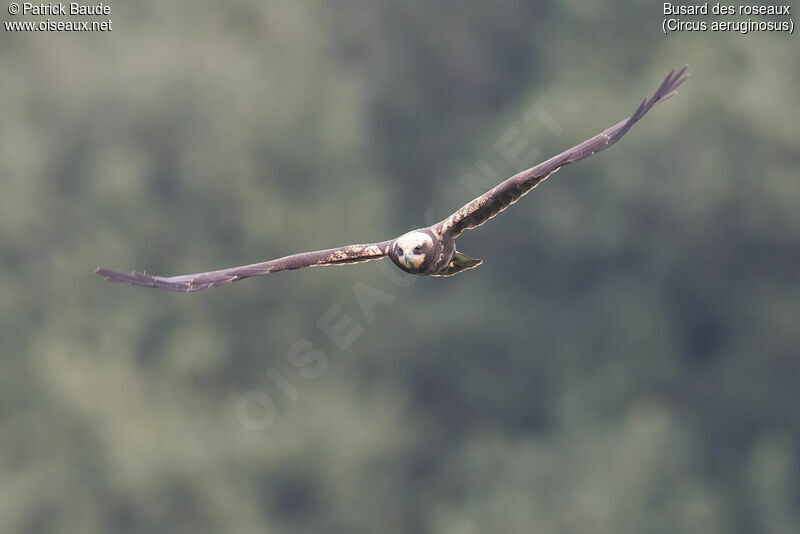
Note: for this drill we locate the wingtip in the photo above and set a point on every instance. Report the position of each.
(102, 271)
(669, 87)
(134, 277)
(137, 278)
(679, 76)
(111, 275)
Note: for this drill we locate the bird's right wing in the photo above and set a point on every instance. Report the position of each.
(196, 282)
(486, 206)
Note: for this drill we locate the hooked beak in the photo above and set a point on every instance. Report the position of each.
(405, 259)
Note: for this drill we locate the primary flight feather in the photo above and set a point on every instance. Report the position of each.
(425, 251)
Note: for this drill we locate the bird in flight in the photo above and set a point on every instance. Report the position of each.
(425, 251)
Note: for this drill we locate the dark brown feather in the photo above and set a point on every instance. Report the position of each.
(473, 214)
(486, 206)
(196, 282)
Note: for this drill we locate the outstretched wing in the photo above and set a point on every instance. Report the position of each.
(497, 199)
(196, 282)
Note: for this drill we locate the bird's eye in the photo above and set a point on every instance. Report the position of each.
(417, 249)
(399, 251)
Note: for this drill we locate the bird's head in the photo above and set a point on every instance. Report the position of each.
(413, 252)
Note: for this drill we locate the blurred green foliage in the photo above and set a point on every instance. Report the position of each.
(625, 361)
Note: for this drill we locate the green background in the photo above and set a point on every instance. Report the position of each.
(624, 361)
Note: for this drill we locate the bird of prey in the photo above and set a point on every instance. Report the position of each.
(424, 251)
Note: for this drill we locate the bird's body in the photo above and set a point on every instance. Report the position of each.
(427, 251)
(424, 251)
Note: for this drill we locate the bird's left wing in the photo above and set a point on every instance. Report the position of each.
(486, 206)
(196, 282)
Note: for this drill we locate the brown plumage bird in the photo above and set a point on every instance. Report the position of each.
(425, 251)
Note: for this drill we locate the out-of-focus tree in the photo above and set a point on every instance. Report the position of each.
(624, 361)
